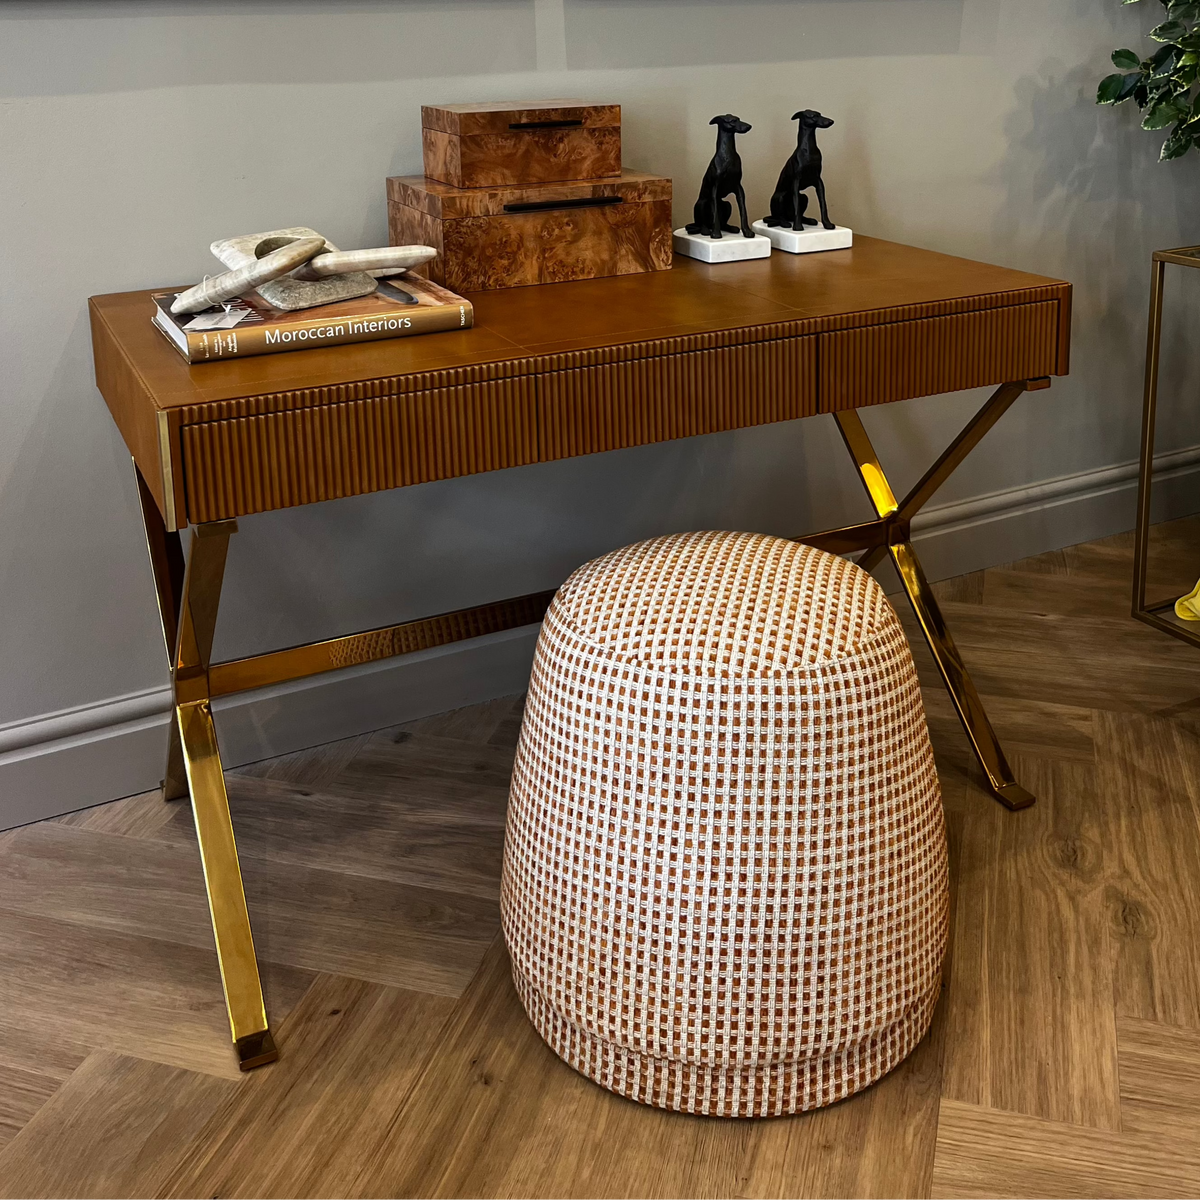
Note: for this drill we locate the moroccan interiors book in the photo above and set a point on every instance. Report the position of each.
(402, 307)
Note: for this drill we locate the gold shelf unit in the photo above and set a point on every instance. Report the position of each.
(1161, 614)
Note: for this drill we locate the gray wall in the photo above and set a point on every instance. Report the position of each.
(133, 134)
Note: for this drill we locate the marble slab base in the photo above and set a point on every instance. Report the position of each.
(731, 247)
(807, 240)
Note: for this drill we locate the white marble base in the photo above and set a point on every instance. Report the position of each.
(730, 247)
(807, 240)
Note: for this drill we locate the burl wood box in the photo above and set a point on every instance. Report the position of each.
(544, 233)
(494, 145)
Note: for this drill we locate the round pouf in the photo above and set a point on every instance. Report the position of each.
(725, 882)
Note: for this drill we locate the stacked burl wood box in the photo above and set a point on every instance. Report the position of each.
(516, 194)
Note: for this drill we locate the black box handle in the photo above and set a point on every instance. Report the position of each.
(581, 202)
(569, 124)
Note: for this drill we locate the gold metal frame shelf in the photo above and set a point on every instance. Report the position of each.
(1160, 615)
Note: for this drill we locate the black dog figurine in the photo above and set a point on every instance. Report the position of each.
(724, 176)
(802, 170)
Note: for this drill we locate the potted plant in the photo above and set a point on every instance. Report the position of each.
(1163, 85)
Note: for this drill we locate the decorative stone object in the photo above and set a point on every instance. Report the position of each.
(807, 239)
(725, 871)
(379, 263)
(255, 273)
(297, 268)
(720, 250)
(290, 292)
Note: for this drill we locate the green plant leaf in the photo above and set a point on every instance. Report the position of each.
(1126, 60)
(1160, 116)
(1182, 79)
(1177, 145)
(1169, 31)
(1116, 88)
(1162, 58)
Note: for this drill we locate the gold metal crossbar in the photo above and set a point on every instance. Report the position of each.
(189, 596)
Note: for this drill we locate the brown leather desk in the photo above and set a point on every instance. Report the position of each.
(548, 372)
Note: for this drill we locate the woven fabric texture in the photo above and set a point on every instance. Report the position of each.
(725, 878)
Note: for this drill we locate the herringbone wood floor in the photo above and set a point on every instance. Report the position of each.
(1064, 1060)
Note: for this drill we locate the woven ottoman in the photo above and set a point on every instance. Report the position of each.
(725, 882)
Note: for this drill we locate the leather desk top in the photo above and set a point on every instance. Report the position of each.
(572, 368)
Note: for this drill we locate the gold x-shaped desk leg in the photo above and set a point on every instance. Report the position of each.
(890, 535)
(188, 597)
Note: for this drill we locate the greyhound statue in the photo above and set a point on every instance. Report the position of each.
(802, 170)
(724, 176)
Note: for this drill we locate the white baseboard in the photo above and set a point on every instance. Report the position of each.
(59, 762)
(968, 535)
(80, 757)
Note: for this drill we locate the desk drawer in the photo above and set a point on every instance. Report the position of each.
(656, 399)
(276, 460)
(882, 363)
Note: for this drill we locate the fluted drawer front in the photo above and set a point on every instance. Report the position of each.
(257, 463)
(943, 354)
(590, 409)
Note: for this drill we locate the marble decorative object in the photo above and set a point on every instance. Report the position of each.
(288, 292)
(721, 249)
(808, 239)
(379, 262)
(256, 272)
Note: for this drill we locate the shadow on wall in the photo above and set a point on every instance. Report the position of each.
(71, 543)
(1086, 199)
(364, 561)
(624, 34)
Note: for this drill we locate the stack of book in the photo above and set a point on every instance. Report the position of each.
(400, 307)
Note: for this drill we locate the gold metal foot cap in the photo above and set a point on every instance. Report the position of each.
(1013, 796)
(255, 1049)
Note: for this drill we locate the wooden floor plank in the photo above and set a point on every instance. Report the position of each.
(1031, 889)
(982, 1153)
(1146, 770)
(93, 988)
(135, 816)
(1026, 727)
(966, 589)
(113, 1129)
(1061, 594)
(1160, 1069)
(301, 1126)
(1112, 663)
(302, 917)
(57, 1058)
(22, 1093)
(478, 723)
(390, 833)
(311, 767)
(399, 759)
